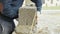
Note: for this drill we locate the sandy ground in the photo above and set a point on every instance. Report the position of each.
(49, 20)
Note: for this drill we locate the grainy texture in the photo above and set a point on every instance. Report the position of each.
(26, 20)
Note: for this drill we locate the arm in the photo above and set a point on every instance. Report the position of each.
(38, 4)
(17, 4)
(11, 8)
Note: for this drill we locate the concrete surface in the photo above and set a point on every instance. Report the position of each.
(48, 22)
(26, 20)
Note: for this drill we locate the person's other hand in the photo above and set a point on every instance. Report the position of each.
(1, 7)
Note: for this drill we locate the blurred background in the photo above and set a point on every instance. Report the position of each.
(48, 22)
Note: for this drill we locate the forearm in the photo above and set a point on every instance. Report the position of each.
(39, 5)
(17, 4)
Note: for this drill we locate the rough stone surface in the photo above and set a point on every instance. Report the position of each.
(26, 20)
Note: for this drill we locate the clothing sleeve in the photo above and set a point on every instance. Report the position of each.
(17, 4)
(0, 1)
(38, 4)
(11, 8)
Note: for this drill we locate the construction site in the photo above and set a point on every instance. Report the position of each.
(48, 22)
(30, 21)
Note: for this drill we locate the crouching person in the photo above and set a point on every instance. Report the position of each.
(8, 12)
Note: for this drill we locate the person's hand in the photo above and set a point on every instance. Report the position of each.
(1, 7)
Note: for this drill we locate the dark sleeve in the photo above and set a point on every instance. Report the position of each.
(38, 4)
(0, 1)
(11, 8)
(17, 4)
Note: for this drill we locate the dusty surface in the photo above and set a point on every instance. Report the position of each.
(49, 22)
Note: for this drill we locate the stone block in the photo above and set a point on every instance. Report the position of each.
(27, 20)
